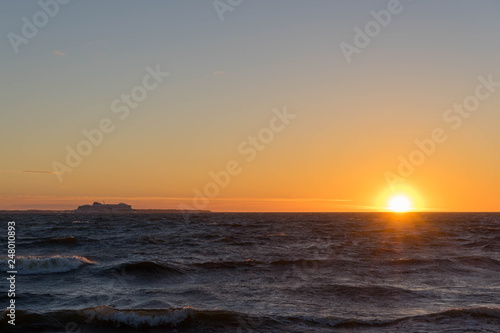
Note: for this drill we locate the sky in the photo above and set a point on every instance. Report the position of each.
(246, 105)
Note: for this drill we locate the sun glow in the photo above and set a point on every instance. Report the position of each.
(400, 204)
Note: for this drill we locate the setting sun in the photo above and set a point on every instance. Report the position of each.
(399, 204)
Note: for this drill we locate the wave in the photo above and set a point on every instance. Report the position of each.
(152, 240)
(354, 292)
(154, 267)
(139, 318)
(71, 240)
(148, 269)
(492, 316)
(330, 262)
(478, 261)
(227, 264)
(187, 318)
(465, 262)
(314, 263)
(47, 265)
(302, 262)
(108, 317)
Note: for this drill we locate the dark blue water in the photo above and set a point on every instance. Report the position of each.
(343, 272)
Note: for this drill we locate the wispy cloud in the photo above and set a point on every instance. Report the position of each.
(281, 199)
(218, 73)
(59, 53)
(43, 172)
(30, 171)
(99, 55)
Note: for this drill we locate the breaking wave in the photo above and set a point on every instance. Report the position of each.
(47, 265)
(187, 318)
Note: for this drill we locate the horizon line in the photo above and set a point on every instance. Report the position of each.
(258, 212)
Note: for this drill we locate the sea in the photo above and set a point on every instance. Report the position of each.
(253, 272)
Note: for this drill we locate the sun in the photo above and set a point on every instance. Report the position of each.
(400, 204)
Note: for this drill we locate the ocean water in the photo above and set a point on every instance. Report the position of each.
(221, 272)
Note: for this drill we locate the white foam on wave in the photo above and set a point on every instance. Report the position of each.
(46, 265)
(140, 318)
